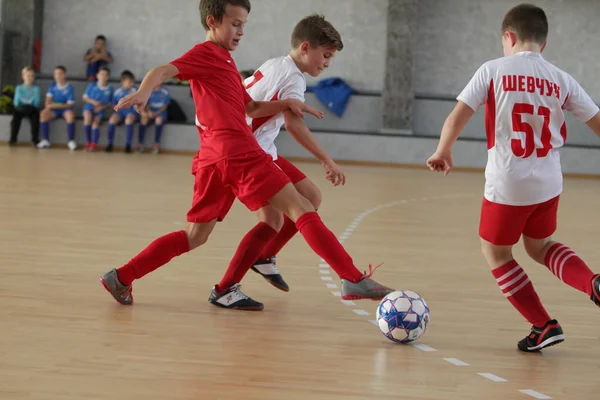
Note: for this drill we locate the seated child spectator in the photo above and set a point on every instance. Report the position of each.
(98, 97)
(129, 115)
(27, 104)
(97, 57)
(156, 111)
(60, 101)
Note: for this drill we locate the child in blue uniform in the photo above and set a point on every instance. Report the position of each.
(128, 115)
(97, 97)
(60, 101)
(156, 111)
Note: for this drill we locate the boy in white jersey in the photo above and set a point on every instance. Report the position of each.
(524, 97)
(314, 43)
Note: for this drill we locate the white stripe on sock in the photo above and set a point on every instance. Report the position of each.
(515, 290)
(556, 256)
(562, 264)
(509, 273)
(512, 282)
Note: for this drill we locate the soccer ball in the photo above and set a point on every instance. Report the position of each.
(403, 316)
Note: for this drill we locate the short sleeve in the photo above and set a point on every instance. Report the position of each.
(579, 103)
(475, 93)
(293, 88)
(88, 90)
(50, 92)
(193, 64)
(71, 96)
(247, 97)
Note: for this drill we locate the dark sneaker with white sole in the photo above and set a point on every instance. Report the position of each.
(233, 298)
(596, 290)
(540, 337)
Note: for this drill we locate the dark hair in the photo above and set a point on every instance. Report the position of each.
(247, 73)
(528, 21)
(216, 8)
(101, 37)
(61, 67)
(127, 74)
(317, 31)
(104, 69)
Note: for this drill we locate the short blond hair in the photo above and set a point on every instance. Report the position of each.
(27, 69)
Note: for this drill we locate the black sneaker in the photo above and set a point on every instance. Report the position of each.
(109, 148)
(128, 149)
(268, 270)
(539, 338)
(596, 290)
(234, 299)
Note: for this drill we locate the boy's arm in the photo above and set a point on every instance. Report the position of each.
(36, 99)
(301, 134)
(89, 55)
(155, 77)
(594, 124)
(259, 109)
(160, 110)
(17, 99)
(441, 160)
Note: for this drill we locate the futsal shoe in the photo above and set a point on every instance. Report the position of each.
(366, 288)
(233, 298)
(596, 290)
(268, 270)
(121, 293)
(548, 335)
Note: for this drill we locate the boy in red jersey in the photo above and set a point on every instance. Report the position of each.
(231, 164)
(525, 97)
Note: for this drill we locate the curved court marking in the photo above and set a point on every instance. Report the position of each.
(325, 271)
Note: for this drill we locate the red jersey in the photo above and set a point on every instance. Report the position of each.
(220, 100)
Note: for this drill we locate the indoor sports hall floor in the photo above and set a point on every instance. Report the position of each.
(65, 218)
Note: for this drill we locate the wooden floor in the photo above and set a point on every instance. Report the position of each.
(65, 218)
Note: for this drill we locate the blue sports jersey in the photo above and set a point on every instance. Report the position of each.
(102, 94)
(120, 93)
(158, 99)
(63, 95)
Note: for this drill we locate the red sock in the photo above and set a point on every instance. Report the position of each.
(246, 254)
(324, 243)
(564, 263)
(287, 232)
(157, 254)
(517, 288)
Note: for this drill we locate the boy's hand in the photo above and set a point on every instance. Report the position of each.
(441, 161)
(299, 108)
(137, 100)
(334, 173)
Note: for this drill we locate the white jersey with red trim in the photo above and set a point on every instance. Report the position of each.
(524, 97)
(277, 79)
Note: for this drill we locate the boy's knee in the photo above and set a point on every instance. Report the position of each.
(196, 238)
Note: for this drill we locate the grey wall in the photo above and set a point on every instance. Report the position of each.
(145, 33)
(457, 36)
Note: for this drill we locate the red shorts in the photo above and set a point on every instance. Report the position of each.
(503, 225)
(290, 170)
(251, 177)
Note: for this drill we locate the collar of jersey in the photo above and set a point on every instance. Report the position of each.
(62, 87)
(218, 48)
(529, 54)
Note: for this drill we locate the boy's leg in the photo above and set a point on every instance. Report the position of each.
(88, 118)
(34, 120)
(158, 130)
(129, 121)
(114, 120)
(142, 132)
(212, 200)
(96, 129)
(251, 247)
(15, 125)
(45, 117)
(256, 180)
(558, 258)
(500, 229)
(69, 116)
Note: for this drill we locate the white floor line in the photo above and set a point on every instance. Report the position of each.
(360, 312)
(456, 361)
(535, 394)
(337, 294)
(348, 302)
(423, 347)
(492, 377)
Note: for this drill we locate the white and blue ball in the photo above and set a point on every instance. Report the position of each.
(403, 316)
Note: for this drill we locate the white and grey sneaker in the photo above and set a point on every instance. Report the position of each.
(43, 144)
(366, 288)
(233, 298)
(268, 270)
(72, 145)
